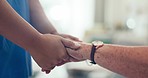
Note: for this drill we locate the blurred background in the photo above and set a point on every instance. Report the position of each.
(122, 22)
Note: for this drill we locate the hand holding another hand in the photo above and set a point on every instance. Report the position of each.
(81, 54)
(49, 51)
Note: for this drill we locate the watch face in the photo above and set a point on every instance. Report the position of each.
(96, 43)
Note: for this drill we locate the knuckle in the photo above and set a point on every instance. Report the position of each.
(71, 44)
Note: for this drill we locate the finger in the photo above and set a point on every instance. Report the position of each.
(74, 38)
(75, 54)
(70, 37)
(70, 44)
(43, 70)
(48, 71)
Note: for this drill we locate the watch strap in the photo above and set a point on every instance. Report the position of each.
(93, 50)
(95, 46)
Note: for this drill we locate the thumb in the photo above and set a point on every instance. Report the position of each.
(70, 44)
(70, 37)
(74, 54)
(74, 38)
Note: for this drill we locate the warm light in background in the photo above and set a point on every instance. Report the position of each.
(110, 20)
(59, 12)
(131, 24)
(73, 17)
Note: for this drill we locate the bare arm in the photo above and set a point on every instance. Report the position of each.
(126, 60)
(40, 46)
(40, 21)
(129, 61)
(15, 28)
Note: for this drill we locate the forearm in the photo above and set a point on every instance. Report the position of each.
(129, 61)
(15, 28)
(38, 18)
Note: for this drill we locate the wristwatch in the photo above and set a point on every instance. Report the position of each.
(95, 45)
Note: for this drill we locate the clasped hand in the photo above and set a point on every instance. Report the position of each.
(53, 50)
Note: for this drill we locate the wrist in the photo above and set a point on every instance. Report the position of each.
(95, 45)
(87, 48)
(33, 42)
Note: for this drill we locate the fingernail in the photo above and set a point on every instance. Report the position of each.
(47, 72)
(43, 70)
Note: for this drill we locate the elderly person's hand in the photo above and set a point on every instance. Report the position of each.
(68, 36)
(83, 53)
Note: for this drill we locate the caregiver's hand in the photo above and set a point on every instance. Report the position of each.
(83, 53)
(69, 37)
(66, 36)
(50, 51)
